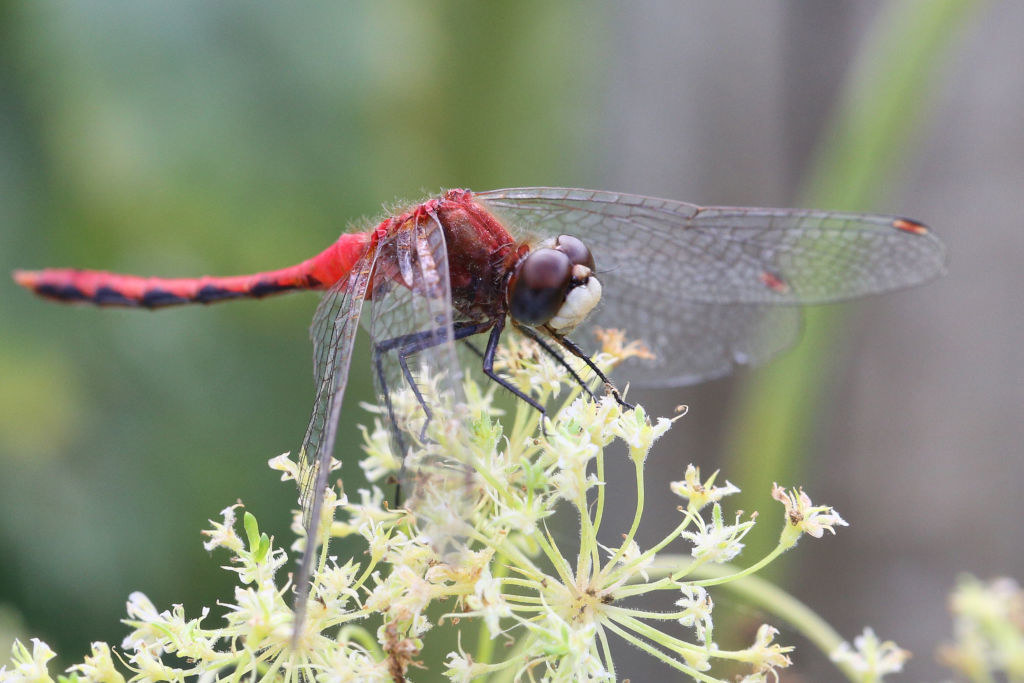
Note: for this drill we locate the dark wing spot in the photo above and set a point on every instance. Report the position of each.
(155, 298)
(911, 226)
(106, 296)
(774, 282)
(214, 293)
(61, 292)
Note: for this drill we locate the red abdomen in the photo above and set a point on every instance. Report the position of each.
(114, 289)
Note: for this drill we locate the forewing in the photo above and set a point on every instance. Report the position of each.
(333, 333)
(707, 288)
(418, 378)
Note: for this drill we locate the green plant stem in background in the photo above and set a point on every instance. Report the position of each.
(872, 131)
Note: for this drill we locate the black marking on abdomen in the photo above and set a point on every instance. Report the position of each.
(211, 293)
(61, 292)
(106, 296)
(261, 289)
(155, 298)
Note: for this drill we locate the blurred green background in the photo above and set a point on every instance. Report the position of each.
(222, 138)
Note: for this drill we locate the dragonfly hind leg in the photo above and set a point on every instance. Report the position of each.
(405, 346)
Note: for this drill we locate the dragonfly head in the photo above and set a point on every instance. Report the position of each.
(554, 285)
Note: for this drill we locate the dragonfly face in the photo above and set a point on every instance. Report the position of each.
(554, 285)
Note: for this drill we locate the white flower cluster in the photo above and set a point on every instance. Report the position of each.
(870, 658)
(470, 552)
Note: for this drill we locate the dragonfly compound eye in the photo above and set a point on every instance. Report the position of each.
(576, 250)
(538, 286)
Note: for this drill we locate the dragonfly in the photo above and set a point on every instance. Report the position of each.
(706, 288)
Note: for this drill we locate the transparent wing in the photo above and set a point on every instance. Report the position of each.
(707, 287)
(418, 378)
(333, 333)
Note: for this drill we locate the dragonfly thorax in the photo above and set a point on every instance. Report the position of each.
(554, 285)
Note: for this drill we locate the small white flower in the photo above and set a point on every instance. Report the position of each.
(989, 628)
(759, 677)
(461, 667)
(700, 494)
(573, 451)
(635, 429)
(718, 542)
(519, 511)
(697, 606)
(223, 535)
(766, 655)
(488, 601)
(260, 616)
(403, 594)
(334, 585)
(29, 666)
(871, 657)
(283, 463)
(529, 368)
(803, 517)
(147, 664)
(631, 557)
(596, 418)
(571, 649)
(368, 512)
(98, 665)
(349, 663)
(143, 615)
(379, 461)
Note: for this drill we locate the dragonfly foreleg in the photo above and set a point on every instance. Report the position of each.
(575, 350)
(532, 334)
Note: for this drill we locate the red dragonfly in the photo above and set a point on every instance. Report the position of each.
(706, 288)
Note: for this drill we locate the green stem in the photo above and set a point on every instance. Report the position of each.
(599, 511)
(558, 561)
(627, 568)
(363, 637)
(639, 468)
(484, 643)
(606, 651)
(658, 654)
(757, 566)
(769, 597)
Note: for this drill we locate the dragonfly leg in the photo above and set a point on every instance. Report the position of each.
(474, 348)
(378, 364)
(532, 334)
(407, 345)
(492, 347)
(575, 350)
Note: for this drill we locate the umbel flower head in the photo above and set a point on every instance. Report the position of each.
(471, 553)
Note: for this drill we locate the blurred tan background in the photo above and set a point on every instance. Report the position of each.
(223, 138)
